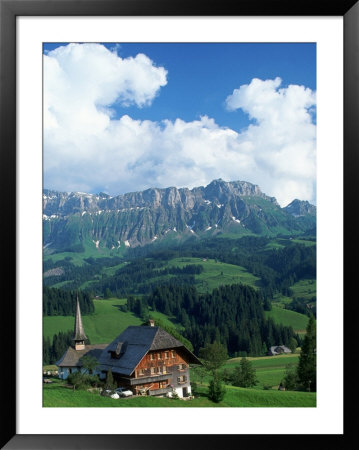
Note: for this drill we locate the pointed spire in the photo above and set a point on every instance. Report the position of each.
(79, 333)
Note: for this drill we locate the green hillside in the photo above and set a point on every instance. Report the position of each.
(289, 318)
(270, 370)
(101, 327)
(58, 395)
(78, 258)
(305, 288)
(217, 273)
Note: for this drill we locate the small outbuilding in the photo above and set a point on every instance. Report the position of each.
(278, 350)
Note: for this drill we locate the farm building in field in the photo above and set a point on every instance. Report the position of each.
(278, 350)
(70, 362)
(149, 361)
(144, 359)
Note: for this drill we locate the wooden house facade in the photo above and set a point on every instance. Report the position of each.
(144, 359)
(149, 361)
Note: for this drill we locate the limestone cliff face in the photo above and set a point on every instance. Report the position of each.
(300, 208)
(138, 218)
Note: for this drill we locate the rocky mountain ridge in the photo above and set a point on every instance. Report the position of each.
(65, 203)
(137, 218)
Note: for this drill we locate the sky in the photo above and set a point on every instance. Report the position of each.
(122, 117)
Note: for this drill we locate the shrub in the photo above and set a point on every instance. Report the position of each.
(216, 389)
(174, 395)
(81, 381)
(290, 380)
(109, 383)
(244, 375)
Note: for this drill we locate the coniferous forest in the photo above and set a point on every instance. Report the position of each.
(58, 302)
(232, 314)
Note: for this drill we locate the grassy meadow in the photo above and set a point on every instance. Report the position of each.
(289, 318)
(217, 273)
(270, 370)
(305, 288)
(102, 327)
(58, 394)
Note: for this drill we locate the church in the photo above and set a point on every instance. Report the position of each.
(144, 359)
(70, 362)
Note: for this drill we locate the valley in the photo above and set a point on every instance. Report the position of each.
(222, 263)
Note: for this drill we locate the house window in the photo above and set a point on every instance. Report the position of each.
(153, 370)
(141, 372)
(181, 366)
(158, 355)
(166, 355)
(163, 384)
(164, 369)
(173, 353)
(152, 356)
(181, 379)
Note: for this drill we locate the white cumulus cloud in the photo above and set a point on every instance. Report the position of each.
(282, 136)
(87, 148)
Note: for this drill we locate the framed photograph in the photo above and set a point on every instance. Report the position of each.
(135, 136)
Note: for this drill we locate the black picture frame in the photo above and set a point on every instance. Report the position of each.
(9, 10)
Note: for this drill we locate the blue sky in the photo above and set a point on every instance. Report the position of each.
(182, 115)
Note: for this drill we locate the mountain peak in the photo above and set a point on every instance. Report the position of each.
(299, 208)
(137, 218)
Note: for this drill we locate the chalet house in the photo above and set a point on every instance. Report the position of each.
(70, 362)
(278, 350)
(144, 359)
(149, 361)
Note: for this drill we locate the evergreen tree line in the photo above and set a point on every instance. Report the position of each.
(140, 277)
(304, 376)
(58, 302)
(278, 269)
(300, 305)
(231, 315)
(74, 274)
(53, 350)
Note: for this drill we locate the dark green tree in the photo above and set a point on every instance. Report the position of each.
(213, 356)
(264, 349)
(293, 344)
(89, 363)
(216, 389)
(46, 350)
(245, 374)
(200, 373)
(307, 366)
(110, 383)
(108, 293)
(78, 381)
(290, 380)
(267, 304)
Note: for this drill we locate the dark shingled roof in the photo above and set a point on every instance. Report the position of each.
(140, 340)
(71, 358)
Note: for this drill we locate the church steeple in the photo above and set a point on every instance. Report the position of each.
(79, 333)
